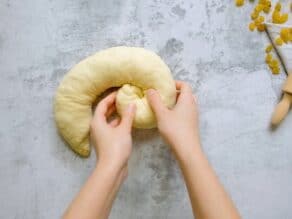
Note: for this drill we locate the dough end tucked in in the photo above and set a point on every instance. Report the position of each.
(134, 70)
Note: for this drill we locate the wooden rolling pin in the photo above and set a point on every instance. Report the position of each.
(284, 106)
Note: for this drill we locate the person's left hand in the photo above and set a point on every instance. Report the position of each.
(112, 140)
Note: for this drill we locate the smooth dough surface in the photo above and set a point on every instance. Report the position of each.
(132, 69)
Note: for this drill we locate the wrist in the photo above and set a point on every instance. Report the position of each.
(187, 150)
(111, 174)
(111, 167)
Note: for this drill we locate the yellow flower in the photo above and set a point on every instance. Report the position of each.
(279, 41)
(239, 2)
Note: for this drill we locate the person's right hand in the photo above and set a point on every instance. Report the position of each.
(179, 125)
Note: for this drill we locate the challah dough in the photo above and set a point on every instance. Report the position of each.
(132, 69)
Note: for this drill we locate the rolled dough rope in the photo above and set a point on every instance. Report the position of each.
(132, 69)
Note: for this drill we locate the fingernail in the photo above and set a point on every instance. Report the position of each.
(150, 91)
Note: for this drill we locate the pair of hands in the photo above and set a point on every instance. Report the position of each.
(178, 126)
(113, 144)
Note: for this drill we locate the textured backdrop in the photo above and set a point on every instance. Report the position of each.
(204, 42)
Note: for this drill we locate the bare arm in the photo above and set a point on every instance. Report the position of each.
(95, 198)
(113, 144)
(208, 197)
(179, 127)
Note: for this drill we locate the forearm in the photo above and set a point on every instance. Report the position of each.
(208, 197)
(95, 198)
(113, 194)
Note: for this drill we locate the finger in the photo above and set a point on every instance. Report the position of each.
(115, 122)
(178, 85)
(110, 110)
(185, 91)
(128, 116)
(183, 87)
(155, 102)
(103, 106)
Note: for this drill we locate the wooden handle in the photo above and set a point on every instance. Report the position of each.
(282, 109)
(287, 87)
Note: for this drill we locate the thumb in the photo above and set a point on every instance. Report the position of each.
(155, 102)
(128, 116)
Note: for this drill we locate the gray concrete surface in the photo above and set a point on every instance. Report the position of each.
(204, 42)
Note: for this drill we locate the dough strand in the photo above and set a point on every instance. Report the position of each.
(132, 69)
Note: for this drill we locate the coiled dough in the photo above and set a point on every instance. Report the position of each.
(132, 69)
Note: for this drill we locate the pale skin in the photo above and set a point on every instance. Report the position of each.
(113, 146)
